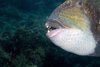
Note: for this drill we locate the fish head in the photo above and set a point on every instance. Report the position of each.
(70, 27)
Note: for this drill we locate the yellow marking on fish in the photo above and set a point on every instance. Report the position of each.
(69, 1)
(88, 11)
(74, 16)
(61, 6)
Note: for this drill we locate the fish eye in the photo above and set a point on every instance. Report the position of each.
(79, 3)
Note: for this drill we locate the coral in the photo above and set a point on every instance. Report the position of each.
(20, 38)
(20, 61)
(78, 65)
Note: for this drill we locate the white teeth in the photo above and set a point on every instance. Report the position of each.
(48, 31)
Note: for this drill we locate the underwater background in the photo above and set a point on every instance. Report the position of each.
(23, 41)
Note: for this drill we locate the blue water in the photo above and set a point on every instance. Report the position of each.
(23, 41)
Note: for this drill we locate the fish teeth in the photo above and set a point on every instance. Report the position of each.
(48, 31)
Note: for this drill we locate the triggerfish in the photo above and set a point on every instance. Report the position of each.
(75, 27)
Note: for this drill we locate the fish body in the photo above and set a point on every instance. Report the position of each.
(74, 26)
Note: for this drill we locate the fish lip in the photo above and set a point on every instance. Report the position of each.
(53, 33)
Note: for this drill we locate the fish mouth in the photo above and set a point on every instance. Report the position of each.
(53, 27)
(52, 33)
